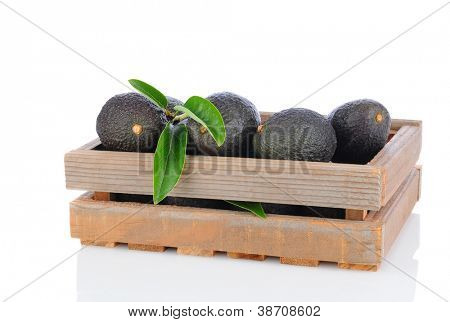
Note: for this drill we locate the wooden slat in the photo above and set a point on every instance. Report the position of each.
(254, 257)
(215, 163)
(266, 188)
(90, 145)
(148, 248)
(102, 196)
(397, 159)
(419, 190)
(299, 261)
(319, 181)
(103, 243)
(359, 267)
(195, 251)
(311, 200)
(397, 124)
(354, 214)
(362, 181)
(310, 183)
(398, 209)
(193, 230)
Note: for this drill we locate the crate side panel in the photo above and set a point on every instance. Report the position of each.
(218, 230)
(394, 215)
(277, 181)
(398, 158)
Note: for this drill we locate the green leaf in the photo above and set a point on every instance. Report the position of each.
(169, 160)
(205, 113)
(150, 92)
(254, 207)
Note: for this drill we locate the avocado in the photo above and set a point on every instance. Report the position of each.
(130, 122)
(305, 211)
(362, 128)
(296, 134)
(172, 102)
(127, 197)
(174, 201)
(241, 120)
(198, 203)
(270, 208)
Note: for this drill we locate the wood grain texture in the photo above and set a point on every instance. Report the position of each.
(192, 230)
(359, 187)
(419, 190)
(246, 256)
(104, 243)
(360, 267)
(197, 231)
(397, 159)
(355, 214)
(102, 196)
(148, 248)
(393, 216)
(299, 261)
(90, 145)
(195, 251)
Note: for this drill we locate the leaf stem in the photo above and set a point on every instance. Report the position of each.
(180, 117)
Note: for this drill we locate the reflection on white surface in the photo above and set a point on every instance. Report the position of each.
(119, 274)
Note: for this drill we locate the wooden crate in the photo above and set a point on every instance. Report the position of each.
(294, 239)
(357, 188)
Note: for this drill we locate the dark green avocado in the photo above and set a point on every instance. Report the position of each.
(174, 201)
(172, 102)
(296, 134)
(241, 120)
(362, 128)
(270, 208)
(130, 122)
(198, 203)
(305, 211)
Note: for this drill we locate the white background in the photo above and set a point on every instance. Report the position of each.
(273, 52)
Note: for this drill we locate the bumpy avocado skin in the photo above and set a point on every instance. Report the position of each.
(305, 211)
(359, 136)
(241, 120)
(125, 197)
(198, 203)
(172, 102)
(119, 114)
(296, 134)
(174, 201)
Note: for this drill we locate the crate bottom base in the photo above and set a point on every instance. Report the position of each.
(295, 240)
(210, 253)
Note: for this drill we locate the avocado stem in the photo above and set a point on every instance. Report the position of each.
(379, 117)
(180, 117)
(169, 113)
(137, 129)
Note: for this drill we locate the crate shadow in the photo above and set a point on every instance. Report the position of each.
(119, 274)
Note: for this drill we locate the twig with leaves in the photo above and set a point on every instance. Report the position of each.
(170, 154)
